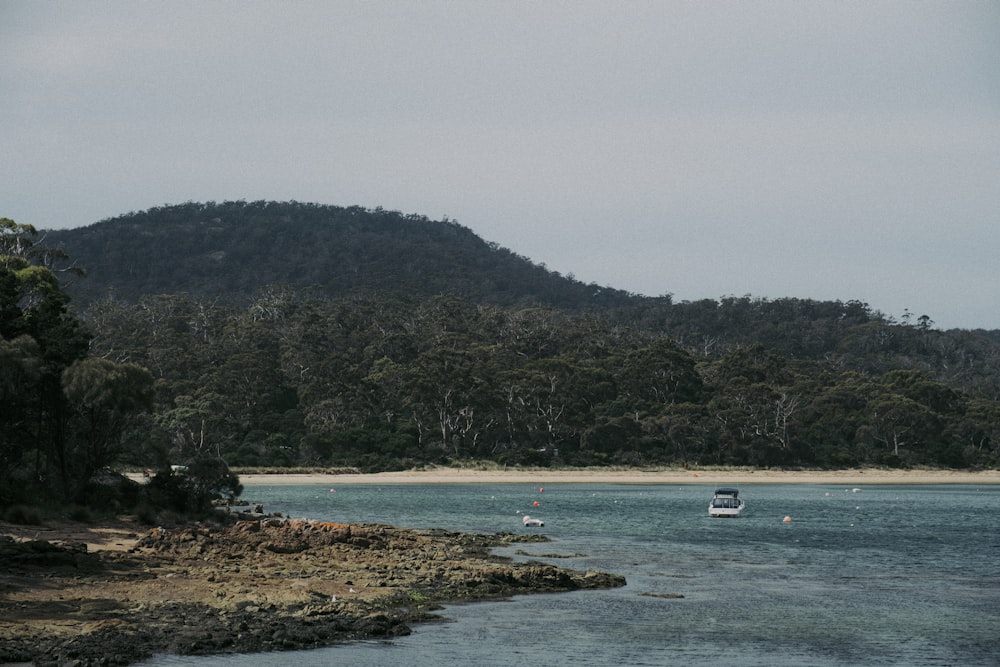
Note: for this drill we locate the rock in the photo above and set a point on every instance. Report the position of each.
(253, 586)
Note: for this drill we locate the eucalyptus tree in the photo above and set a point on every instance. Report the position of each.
(660, 374)
(900, 425)
(20, 375)
(831, 420)
(67, 413)
(975, 436)
(104, 400)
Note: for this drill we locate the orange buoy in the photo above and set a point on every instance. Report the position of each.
(787, 519)
(535, 503)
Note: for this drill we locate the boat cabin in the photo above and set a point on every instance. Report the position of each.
(726, 498)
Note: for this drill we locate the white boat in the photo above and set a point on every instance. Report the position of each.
(529, 522)
(726, 503)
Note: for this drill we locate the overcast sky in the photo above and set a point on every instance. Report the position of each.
(825, 150)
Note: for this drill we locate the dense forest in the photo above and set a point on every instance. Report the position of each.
(228, 251)
(389, 341)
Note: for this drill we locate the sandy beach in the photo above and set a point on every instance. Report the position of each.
(853, 477)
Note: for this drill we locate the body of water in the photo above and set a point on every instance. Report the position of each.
(881, 575)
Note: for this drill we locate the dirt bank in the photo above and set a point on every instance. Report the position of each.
(115, 595)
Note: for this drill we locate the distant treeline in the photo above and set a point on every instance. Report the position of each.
(418, 343)
(385, 382)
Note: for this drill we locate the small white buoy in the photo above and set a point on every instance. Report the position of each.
(787, 519)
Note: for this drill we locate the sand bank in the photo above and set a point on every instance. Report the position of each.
(854, 477)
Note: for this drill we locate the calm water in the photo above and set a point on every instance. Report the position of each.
(887, 575)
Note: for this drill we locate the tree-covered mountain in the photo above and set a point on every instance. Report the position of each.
(227, 254)
(295, 334)
(230, 251)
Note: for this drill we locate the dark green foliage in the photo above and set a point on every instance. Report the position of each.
(295, 334)
(22, 515)
(232, 254)
(230, 250)
(381, 383)
(63, 416)
(104, 400)
(192, 489)
(107, 492)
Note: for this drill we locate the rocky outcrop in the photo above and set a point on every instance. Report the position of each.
(262, 585)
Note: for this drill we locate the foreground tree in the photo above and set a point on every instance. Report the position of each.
(104, 401)
(64, 416)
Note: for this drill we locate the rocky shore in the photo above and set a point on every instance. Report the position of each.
(257, 585)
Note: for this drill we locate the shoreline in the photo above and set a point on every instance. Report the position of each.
(250, 587)
(81, 593)
(853, 477)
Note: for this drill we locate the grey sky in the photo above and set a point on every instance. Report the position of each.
(826, 150)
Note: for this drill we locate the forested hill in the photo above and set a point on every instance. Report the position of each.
(230, 254)
(230, 251)
(297, 334)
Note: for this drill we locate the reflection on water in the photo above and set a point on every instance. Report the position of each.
(885, 576)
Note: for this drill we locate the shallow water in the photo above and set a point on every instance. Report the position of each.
(888, 575)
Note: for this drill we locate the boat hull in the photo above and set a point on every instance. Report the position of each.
(725, 513)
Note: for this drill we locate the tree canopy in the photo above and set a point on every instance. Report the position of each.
(388, 382)
(269, 334)
(65, 415)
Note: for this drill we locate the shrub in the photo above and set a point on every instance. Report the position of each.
(23, 515)
(193, 490)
